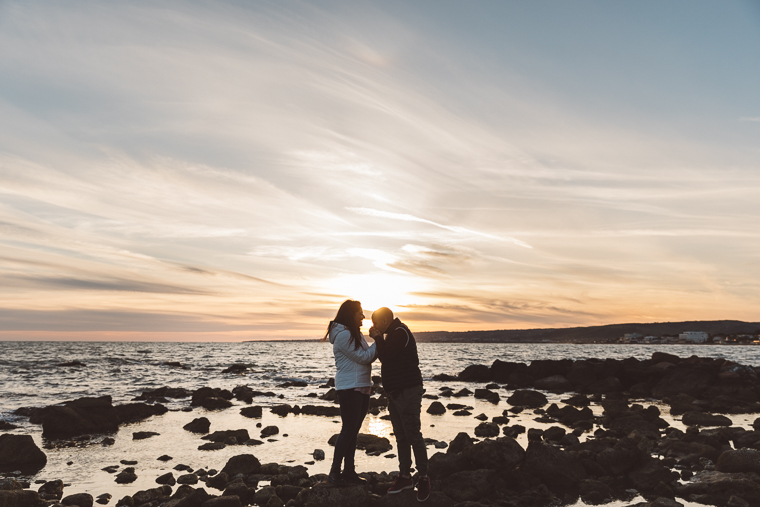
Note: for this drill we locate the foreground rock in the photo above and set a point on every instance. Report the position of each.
(19, 452)
(90, 415)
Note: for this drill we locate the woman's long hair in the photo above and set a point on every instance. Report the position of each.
(347, 316)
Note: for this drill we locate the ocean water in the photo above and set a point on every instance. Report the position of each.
(30, 377)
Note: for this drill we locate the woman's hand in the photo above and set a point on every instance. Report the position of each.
(374, 333)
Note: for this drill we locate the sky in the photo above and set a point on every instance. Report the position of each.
(226, 171)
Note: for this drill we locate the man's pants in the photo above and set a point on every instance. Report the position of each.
(405, 407)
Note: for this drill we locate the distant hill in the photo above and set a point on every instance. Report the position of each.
(592, 334)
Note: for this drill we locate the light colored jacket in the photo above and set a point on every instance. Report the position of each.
(354, 365)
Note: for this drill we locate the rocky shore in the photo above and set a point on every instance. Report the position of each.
(606, 440)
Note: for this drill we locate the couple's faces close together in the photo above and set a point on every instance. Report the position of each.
(379, 325)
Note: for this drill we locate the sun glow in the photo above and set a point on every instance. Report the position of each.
(376, 290)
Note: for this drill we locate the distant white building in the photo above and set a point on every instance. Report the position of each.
(694, 336)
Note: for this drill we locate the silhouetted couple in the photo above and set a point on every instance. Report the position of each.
(402, 382)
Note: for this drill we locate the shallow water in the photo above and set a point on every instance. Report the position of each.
(30, 377)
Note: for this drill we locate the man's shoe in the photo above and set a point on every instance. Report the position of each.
(400, 484)
(352, 478)
(336, 479)
(423, 488)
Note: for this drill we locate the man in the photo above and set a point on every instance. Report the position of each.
(402, 382)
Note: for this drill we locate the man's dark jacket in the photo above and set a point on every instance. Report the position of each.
(398, 354)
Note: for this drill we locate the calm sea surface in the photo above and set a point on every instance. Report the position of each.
(30, 377)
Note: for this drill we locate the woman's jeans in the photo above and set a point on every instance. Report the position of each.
(405, 406)
(353, 409)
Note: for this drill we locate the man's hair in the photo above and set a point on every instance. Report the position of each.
(382, 313)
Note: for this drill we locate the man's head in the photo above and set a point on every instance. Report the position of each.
(382, 318)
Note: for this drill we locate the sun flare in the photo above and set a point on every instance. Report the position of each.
(375, 290)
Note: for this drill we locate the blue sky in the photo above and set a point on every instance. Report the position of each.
(234, 170)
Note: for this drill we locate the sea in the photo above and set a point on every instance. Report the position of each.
(31, 376)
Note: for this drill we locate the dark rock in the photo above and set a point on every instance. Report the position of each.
(164, 457)
(486, 429)
(219, 481)
(195, 498)
(481, 417)
(583, 373)
(237, 368)
(498, 454)
(650, 474)
(78, 417)
(488, 395)
(225, 501)
(251, 412)
(269, 431)
(79, 499)
(134, 412)
(20, 498)
(19, 452)
(561, 471)
(216, 395)
(555, 383)
(702, 419)
(684, 379)
(443, 377)
(167, 478)
(245, 464)
(718, 487)
(321, 410)
(527, 398)
(318, 454)
(5, 425)
(664, 357)
(371, 444)
(51, 490)
(212, 446)
(606, 385)
(460, 443)
(742, 460)
(324, 495)
(142, 435)
(462, 392)
(228, 437)
(462, 413)
(470, 485)
(554, 434)
(187, 479)
(475, 373)
(198, 425)
(126, 476)
(595, 492)
(513, 431)
(150, 495)
(436, 408)
(103, 499)
(501, 371)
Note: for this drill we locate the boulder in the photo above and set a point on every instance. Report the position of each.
(242, 464)
(230, 437)
(149, 495)
(324, 495)
(20, 498)
(134, 412)
(487, 394)
(717, 487)
(498, 454)
(741, 460)
(703, 419)
(501, 371)
(684, 379)
(225, 501)
(527, 398)
(78, 417)
(142, 435)
(268, 431)
(436, 408)
(19, 452)
(582, 374)
(470, 485)
(460, 443)
(371, 444)
(126, 476)
(475, 373)
(51, 490)
(487, 429)
(79, 499)
(321, 410)
(251, 412)
(647, 476)
(561, 471)
(606, 385)
(198, 425)
(555, 383)
(167, 478)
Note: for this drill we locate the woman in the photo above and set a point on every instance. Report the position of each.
(353, 359)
